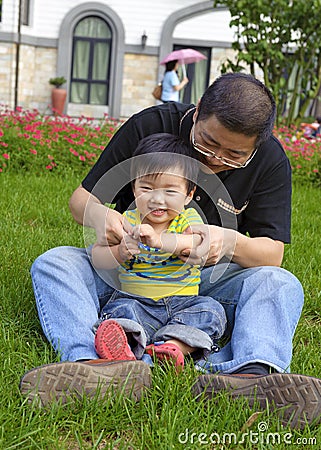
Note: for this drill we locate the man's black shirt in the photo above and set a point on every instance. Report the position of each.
(255, 200)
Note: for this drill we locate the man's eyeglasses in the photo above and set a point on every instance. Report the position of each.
(209, 153)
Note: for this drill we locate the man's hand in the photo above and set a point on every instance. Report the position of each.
(116, 227)
(128, 248)
(214, 245)
(110, 225)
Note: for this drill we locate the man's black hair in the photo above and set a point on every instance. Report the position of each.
(241, 103)
(161, 153)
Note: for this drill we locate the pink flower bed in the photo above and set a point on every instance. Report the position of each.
(304, 153)
(31, 141)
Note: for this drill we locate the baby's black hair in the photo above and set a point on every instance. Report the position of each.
(162, 153)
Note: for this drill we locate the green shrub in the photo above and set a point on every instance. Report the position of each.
(304, 154)
(30, 141)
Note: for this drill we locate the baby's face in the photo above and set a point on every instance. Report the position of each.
(161, 197)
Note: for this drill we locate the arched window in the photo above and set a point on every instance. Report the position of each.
(91, 56)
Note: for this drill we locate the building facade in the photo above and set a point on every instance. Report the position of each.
(108, 51)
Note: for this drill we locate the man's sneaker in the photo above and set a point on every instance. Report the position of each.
(66, 380)
(111, 342)
(296, 397)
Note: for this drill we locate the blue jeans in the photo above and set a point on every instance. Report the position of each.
(262, 305)
(196, 320)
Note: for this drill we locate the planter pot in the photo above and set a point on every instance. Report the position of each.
(58, 100)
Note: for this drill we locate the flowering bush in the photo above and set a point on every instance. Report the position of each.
(31, 141)
(304, 154)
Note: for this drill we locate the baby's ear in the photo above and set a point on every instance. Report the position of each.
(189, 196)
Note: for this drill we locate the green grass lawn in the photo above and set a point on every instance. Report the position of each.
(35, 217)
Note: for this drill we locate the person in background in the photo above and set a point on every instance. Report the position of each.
(171, 85)
(317, 127)
(312, 130)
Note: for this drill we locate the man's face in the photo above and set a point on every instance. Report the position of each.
(227, 149)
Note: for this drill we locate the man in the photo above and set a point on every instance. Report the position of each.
(245, 194)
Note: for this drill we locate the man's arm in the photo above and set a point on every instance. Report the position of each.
(218, 242)
(87, 210)
(257, 251)
(81, 201)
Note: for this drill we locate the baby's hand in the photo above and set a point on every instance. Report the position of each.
(147, 235)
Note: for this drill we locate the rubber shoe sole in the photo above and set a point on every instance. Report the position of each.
(296, 397)
(111, 342)
(66, 380)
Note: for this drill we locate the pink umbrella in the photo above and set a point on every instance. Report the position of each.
(184, 56)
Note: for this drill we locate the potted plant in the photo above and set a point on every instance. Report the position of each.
(58, 95)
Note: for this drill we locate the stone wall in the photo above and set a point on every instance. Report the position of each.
(7, 73)
(141, 75)
(38, 64)
(219, 56)
(139, 79)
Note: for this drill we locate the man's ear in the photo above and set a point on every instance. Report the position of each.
(196, 112)
(189, 196)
